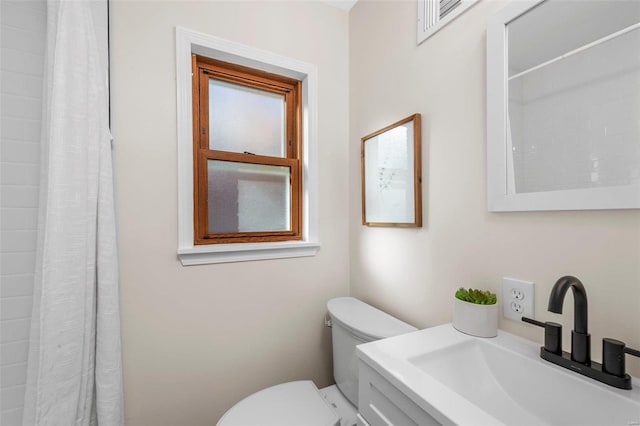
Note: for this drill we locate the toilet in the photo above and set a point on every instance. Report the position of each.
(352, 322)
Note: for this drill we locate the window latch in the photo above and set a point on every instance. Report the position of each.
(247, 152)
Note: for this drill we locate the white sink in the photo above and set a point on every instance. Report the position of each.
(460, 379)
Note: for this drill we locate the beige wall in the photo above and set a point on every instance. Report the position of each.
(414, 273)
(197, 339)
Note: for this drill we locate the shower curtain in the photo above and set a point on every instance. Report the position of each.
(74, 374)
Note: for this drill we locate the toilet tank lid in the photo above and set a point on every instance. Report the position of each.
(365, 319)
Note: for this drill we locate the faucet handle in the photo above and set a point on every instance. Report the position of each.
(552, 334)
(613, 356)
(633, 352)
(532, 321)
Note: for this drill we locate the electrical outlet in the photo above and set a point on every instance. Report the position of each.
(516, 307)
(517, 294)
(517, 299)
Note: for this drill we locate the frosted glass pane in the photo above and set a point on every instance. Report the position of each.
(248, 197)
(246, 119)
(573, 124)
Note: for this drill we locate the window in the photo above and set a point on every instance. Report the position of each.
(247, 154)
(267, 64)
(435, 14)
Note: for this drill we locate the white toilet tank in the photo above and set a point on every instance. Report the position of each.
(353, 322)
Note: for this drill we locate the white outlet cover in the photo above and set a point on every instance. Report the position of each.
(517, 299)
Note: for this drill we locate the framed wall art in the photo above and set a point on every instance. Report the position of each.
(392, 175)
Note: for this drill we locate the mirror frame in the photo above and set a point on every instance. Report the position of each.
(498, 198)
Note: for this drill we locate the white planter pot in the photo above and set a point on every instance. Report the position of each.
(476, 320)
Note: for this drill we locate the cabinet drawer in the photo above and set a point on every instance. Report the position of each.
(382, 404)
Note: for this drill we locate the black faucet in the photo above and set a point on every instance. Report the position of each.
(580, 337)
(611, 371)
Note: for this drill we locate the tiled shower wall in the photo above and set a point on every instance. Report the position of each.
(23, 31)
(22, 38)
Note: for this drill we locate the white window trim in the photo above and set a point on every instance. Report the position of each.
(189, 42)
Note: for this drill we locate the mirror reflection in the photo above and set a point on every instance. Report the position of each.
(573, 96)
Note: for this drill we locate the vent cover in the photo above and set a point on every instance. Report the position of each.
(447, 6)
(435, 14)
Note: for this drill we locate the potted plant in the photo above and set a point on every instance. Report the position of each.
(475, 312)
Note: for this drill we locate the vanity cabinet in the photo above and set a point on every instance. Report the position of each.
(382, 404)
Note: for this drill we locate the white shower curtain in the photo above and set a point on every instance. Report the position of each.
(74, 374)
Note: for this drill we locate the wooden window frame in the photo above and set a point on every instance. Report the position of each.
(204, 69)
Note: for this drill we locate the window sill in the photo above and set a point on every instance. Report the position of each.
(226, 253)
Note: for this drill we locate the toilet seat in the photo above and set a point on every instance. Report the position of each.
(287, 404)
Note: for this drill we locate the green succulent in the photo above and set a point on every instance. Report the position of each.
(479, 297)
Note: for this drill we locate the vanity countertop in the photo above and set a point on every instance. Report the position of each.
(466, 380)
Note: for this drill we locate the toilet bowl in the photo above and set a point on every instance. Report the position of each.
(353, 322)
(287, 404)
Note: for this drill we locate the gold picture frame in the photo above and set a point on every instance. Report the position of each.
(392, 175)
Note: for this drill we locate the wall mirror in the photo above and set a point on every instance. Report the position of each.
(563, 101)
(391, 175)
